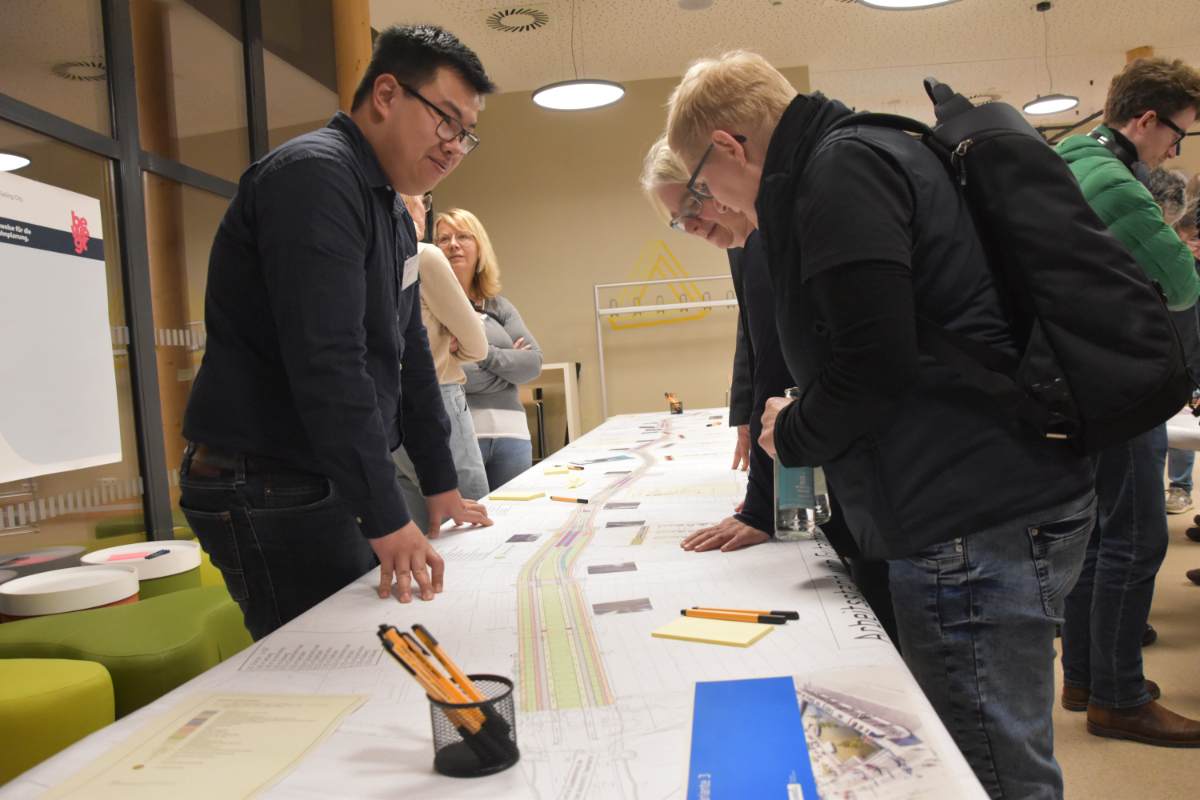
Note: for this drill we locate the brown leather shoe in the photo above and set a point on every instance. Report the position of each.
(1149, 723)
(1076, 699)
(1194, 575)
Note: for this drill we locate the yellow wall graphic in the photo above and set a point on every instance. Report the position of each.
(657, 262)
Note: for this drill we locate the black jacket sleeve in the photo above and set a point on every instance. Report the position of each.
(867, 308)
(741, 389)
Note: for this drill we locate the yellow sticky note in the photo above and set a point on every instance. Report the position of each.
(555, 470)
(575, 483)
(516, 495)
(714, 631)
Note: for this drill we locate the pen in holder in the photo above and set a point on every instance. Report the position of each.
(676, 406)
(475, 739)
(474, 723)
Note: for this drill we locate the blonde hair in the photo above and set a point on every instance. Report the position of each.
(738, 92)
(487, 270)
(662, 168)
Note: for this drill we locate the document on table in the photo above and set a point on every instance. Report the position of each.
(297, 651)
(212, 745)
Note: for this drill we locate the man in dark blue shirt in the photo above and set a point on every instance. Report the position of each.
(317, 364)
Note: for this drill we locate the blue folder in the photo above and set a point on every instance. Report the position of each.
(748, 742)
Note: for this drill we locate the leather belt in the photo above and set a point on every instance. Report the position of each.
(209, 462)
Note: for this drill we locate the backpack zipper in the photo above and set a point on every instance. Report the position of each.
(957, 160)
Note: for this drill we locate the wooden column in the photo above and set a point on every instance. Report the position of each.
(352, 46)
(151, 23)
(1138, 52)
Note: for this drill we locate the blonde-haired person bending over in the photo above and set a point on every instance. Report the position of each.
(513, 356)
(456, 337)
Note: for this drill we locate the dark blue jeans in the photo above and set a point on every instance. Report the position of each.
(976, 617)
(1107, 611)
(282, 539)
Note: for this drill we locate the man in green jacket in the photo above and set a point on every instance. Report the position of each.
(1150, 106)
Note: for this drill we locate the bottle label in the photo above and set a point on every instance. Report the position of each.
(795, 487)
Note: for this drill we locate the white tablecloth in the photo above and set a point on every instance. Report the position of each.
(604, 708)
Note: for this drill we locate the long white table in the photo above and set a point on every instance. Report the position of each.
(604, 709)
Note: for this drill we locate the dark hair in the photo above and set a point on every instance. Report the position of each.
(413, 55)
(1151, 84)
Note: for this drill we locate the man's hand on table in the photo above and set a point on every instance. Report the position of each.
(408, 555)
(728, 534)
(451, 505)
(741, 453)
(774, 405)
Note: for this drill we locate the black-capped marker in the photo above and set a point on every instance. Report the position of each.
(784, 614)
(769, 619)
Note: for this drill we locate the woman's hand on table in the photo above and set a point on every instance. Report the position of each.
(452, 505)
(741, 452)
(729, 534)
(774, 405)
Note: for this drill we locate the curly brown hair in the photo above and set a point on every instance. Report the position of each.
(1152, 84)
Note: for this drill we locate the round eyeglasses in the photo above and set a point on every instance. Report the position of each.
(463, 238)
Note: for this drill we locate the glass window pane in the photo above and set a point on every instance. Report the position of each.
(52, 57)
(191, 86)
(181, 222)
(299, 67)
(76, 507)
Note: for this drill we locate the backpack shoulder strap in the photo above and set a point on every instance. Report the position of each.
(894, 121)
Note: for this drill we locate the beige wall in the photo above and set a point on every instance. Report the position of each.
(558, 193)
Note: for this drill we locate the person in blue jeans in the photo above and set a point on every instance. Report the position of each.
(1150, 105)
(983, 523)
(317, 364)
(1180, 463)
(513, 356)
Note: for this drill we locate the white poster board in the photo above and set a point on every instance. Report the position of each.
(58, 391)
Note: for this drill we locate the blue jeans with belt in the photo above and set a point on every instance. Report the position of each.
(282, 538)
(1107, 612)
(976, 617)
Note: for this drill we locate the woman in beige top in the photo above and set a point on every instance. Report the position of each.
(456, 337)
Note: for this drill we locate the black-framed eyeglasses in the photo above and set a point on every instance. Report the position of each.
(449, 128)
(427, 201)
(1179, 131)
(691, 184)
(1182, 133)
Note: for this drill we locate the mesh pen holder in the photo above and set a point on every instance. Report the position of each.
(475, 739)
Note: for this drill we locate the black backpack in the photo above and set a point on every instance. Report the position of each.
(1101, 360)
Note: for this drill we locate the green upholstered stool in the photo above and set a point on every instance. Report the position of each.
(209, 575)
(136, 523)
(149, 647)
(47, 705)
(157, 587)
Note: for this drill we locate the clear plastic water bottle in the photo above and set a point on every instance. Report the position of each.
(801, 498)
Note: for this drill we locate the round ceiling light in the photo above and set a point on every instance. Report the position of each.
(905, 5)
(578, 94)
(11, 161)
(1050, 104)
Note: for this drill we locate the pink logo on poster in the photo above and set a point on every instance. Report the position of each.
(79, 230)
